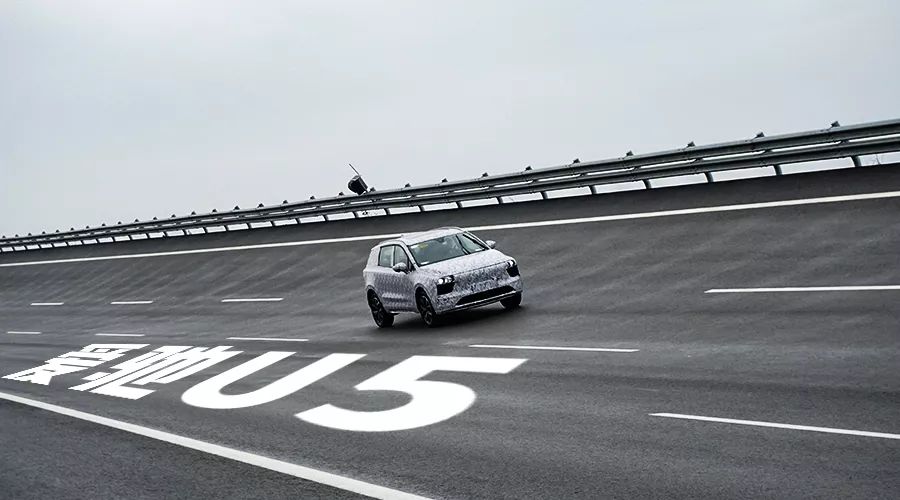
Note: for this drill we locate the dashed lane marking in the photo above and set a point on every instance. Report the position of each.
(557, 222)
(299, 471)
(130, 302)
(13, 332)
(547, 348)
(119, 334)
(756, 423)
(860, 288)
(272, 339)
(259, 299)
(47, 303)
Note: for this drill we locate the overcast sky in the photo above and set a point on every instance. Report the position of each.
(116, 110)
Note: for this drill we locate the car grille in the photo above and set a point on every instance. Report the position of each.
(487, 294)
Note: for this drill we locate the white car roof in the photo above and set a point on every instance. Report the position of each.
(412, 238)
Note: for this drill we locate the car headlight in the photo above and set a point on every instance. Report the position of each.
(510, 263)
(445, 280)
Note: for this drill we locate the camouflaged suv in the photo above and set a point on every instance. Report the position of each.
(436, 272)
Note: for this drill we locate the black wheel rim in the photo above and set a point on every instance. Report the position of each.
(425, 309)
(377, 310)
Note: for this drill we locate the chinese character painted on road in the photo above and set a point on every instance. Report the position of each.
(75, 361)
(161, 366)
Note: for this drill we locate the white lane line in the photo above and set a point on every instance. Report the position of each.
(544, 348)
(268, 338)
(756, 423)
(130, 302)
(47, 303)
(299, 471)
(13, 332)
(558, 222)
(861, 288)
(119, 334)
(261, 299)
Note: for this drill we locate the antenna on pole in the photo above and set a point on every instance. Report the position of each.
(354, 169)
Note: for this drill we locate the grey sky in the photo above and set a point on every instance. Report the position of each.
(113, 110)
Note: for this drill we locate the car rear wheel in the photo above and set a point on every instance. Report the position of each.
(512, 302)
(383, 319)
(426, 309)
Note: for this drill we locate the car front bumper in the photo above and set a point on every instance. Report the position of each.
(458, 300)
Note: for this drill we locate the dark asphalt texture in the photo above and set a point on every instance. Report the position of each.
(563, 424)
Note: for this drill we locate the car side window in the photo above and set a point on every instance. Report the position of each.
(400, 256)
(386, 256)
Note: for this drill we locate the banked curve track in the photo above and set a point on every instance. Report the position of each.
(564, 423)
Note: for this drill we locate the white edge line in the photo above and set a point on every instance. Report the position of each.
(321, 477)
(558, 222)
(543, 348)
(13, 332)
(130, 302)
(119, 334)
(852, 288)
(47, 303)
(267, 338)
(261, 299)
(756, 423)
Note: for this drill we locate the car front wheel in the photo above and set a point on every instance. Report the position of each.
(383, 319)
(512, 302)
(426, 309)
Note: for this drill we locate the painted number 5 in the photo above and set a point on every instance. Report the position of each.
(432, 402)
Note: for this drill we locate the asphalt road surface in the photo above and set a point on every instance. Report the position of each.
(679, 315)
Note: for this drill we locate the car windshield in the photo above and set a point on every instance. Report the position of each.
(445, 248)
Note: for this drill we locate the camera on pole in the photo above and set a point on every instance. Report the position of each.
(357, 184)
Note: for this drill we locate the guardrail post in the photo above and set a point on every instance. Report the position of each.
(856, 161)
(499, 200)
(647, 184)
(709, 176)
(544, 195)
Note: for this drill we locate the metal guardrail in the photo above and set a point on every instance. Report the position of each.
(761, 151)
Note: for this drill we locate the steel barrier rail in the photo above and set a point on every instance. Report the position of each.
(835, 142)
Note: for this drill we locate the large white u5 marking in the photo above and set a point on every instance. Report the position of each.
(208, 394)
(432, 401)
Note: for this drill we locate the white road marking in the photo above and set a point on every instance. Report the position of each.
(545, 348)
(130, 302)
(12, 332)
(261, 299)
(693, 211)
(119, 334)
(861, 288)
(756, 423)
(47, 303)
(558, 222)
(267, 338)
(309, 474)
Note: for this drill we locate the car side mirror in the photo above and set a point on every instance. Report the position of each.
(491, 243)
(400, 267)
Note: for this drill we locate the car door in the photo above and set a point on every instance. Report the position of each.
(385, 282)
(405, 282)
